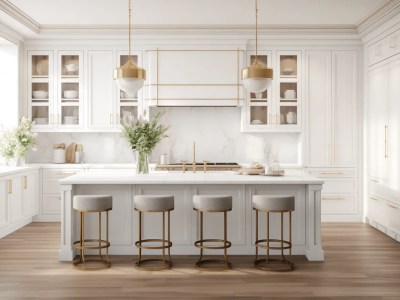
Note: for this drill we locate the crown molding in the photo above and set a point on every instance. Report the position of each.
(19, 15)
(385, 12)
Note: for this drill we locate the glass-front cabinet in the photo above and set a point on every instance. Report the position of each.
(70, 89)
(127, 105)
(40, 87)
(55, 89)
(278, 108)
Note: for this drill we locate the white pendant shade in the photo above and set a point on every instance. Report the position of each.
(130, 85)
(257, 85)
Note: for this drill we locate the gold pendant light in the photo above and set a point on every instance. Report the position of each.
(257, 77)
(130, 78)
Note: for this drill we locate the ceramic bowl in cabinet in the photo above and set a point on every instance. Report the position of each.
(70, 94)
(40, 94)
(71, 67)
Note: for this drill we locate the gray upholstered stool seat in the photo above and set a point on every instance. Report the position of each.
(274, 204)
(90, 204)
(153, 204)
(212, 204)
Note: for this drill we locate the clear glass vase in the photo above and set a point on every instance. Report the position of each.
(142, 163)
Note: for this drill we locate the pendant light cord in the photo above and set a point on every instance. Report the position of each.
(256, 59)
(129, 30)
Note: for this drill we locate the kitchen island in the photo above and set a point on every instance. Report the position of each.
(123, 185)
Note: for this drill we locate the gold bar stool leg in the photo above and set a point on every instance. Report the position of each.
(267, 237)
(212, 204)
(157, 204)
(85, 204)
(256, 233)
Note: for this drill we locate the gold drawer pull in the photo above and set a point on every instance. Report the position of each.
(25, 182)
(392, 206)
(331, 173)
(10, 186)
(373, 198)
(374, 180)
(332, 198)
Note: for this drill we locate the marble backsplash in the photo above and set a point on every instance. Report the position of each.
(216, 132)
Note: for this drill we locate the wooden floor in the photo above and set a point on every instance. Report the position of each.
(361, 263)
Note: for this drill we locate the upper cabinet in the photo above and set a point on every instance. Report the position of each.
(194, 77)
(384, 48)
(332, 93)
(279, 107)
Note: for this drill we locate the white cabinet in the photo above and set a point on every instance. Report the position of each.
(101, 90)
(384, 48)
(279, 107)
(4, 215)
(383, 128)
(31, 193)
(331, 139)
(16, 198)
(194, 77)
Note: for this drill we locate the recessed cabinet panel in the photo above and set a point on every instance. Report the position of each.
(31, 193)
(101, 89)
(4, 217)
(16, 199)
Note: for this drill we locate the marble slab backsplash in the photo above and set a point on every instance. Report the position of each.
(216, 132)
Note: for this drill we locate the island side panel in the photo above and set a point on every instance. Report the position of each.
(314, 250)
(66, 252)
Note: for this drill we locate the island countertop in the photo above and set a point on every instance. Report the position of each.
(174, 177)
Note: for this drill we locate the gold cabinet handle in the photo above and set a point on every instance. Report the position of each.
(386, 140)
(184, 165)
(391, 206)
(330, 173)
(10, 186)
(374, 180)
(25, 182)
(373, 198)
(110, 119)
(332, 198)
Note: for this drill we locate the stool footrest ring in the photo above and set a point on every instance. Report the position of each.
(226, 244)
(200, 264)
(263, 264)
(287, 243)
(104, 244)
(80, 265)
(166, 264)
(165, 244)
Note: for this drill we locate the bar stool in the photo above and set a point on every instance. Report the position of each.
(85, 204)
(154, 203)
(209, 204)
(274, 204)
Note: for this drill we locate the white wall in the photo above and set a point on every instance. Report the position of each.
(215, 130)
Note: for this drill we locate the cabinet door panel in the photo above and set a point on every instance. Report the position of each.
(16, 199)
(393, 135)
(3, 204)
(319, 108)
(344, 108)
(377, 119)
(31, 194)
(101, 89)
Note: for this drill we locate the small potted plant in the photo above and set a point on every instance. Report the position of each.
(15, 144)
(143, 136)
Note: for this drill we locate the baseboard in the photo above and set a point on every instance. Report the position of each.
(10, 228)
(47, 218)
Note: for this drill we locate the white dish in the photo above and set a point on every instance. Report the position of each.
(70, 120)
(71, 94)
(40, 94)
(256, 122)
(71, 68)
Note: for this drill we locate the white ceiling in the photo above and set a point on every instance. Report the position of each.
(65, 13)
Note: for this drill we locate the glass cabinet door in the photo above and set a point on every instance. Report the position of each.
(70, 92)
(259, 112)
(40, 87)
(289, 92)
(127, 105)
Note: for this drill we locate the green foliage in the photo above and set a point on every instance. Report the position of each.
(143, 135)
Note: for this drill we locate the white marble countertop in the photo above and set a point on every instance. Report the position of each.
(6, 171)
(168, 177)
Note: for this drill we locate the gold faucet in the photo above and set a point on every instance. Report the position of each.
(194, 157)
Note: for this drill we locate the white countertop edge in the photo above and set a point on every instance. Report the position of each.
(7, 171)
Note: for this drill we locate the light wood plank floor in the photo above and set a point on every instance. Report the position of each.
(361, 263)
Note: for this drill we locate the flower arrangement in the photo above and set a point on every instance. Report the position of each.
(15, 144)
(143, 136)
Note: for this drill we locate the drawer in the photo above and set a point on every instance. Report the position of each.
(377, 210)
(338, 204)
(51, 204)
(332, 173)
(60, 173)
(339, 186)
(393, 216)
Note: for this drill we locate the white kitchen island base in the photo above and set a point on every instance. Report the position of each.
(123, 185)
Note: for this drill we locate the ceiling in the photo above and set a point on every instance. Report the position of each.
(275, 13)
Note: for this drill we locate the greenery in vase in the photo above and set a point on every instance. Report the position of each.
(143, 135)
(17, 142)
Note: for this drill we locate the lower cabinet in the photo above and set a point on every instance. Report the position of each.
(19, 200)
(339, 197)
